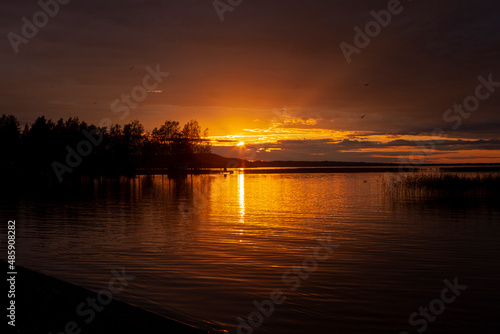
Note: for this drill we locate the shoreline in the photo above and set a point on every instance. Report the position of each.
(323, 169)
(47, 305)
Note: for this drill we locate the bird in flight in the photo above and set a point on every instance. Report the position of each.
(366, 84)
(131, 68)
(363, 116)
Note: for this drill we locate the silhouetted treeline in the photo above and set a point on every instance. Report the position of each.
(72, 147)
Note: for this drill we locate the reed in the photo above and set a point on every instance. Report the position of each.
(444, 185)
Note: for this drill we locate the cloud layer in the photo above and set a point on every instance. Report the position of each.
(265, 55)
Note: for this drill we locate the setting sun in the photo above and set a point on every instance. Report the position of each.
(241, 144)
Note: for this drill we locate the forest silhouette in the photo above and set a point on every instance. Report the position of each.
(56, 150)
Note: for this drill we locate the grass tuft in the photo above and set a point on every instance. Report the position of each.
(444, 185)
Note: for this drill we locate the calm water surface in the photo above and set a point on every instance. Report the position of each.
(207, 247)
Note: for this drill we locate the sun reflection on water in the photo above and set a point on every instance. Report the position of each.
(241, 193)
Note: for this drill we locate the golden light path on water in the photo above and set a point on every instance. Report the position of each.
(241, 192)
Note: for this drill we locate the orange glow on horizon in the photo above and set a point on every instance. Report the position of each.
(291, 130)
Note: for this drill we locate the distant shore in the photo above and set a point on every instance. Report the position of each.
(324, 169)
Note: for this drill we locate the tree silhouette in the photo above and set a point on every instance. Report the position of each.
(119, 150)
(10, 139)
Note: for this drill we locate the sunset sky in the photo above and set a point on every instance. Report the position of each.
(271, 75)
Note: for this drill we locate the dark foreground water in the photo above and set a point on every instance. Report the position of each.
(214, 248)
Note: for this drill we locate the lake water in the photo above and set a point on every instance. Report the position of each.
(209, 247)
